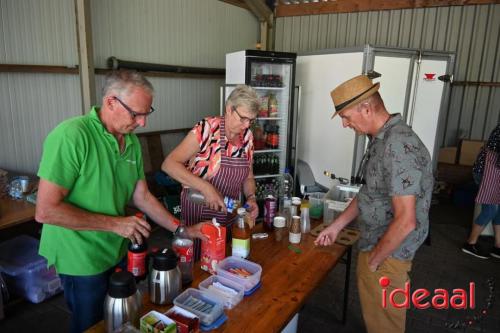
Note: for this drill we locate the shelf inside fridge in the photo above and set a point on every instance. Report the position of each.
(266, 176)
(269, 118)
(269, 88)
(261, 151)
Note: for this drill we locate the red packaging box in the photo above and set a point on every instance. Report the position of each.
(213, 250)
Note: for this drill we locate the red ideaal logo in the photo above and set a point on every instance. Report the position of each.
(440, 299)
(430, 77)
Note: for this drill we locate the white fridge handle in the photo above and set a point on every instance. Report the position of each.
(295, 145)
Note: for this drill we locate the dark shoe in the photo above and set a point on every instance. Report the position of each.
(495, 252)
(475, 250)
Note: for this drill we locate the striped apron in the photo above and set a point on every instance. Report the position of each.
(228, 181)
(489, 190)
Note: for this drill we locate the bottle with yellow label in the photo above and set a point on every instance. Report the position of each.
(241, 235)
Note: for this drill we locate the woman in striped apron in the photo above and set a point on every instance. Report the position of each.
(216, 159)
(486, 172)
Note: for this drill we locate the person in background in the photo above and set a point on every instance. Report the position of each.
(486, 174)
(392, 204)
(90, 169)
(216, 158)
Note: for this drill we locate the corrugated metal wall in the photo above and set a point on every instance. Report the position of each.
(176, 32)
(472, 32)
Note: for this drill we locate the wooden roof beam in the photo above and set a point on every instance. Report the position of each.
(260, 10)
(351, 6)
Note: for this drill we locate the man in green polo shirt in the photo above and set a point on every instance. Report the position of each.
(90, 169)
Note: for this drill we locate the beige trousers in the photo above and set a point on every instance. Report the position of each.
(379, 319)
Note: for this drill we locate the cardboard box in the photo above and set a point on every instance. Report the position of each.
(186, 321)
(454, 174)
(214, 249)
(448, 155)
(155, 322)
(469, 149)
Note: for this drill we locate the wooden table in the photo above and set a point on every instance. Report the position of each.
(287, 280)
(13, 212)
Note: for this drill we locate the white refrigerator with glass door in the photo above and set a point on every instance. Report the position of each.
(271, 74)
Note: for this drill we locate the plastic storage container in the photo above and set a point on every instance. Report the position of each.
(204, 305)
(230, 300)
(249, 282)
(316, 200)
(337, 199)
(26, 272)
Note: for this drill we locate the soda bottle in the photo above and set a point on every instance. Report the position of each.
(198, 198)
(183, 247)
(136, 256)
(286, 186)
(241, 235)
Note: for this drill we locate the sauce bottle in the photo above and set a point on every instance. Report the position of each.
(241, 235)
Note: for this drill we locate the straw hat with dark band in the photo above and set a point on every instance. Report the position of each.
(352, 92)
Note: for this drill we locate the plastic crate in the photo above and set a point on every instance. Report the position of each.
(235, 262)
(26, 272)
(316, 200)
(336, 200)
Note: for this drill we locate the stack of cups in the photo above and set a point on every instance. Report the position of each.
(295, 208)
(279, 224)
(294, 234)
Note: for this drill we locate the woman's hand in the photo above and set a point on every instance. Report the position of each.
(213, 198)
(253, 208)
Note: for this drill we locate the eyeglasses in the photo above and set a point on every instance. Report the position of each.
(134, 114)
(250, 121)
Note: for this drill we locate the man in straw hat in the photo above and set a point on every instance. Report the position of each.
(392, 204)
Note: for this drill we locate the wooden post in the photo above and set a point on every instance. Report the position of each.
(85, 54)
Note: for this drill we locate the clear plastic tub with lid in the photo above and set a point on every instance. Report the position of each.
(229, 291)
(241, 271)
(204, 305)
(26, 271)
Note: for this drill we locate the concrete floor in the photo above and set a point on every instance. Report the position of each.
(440, 265)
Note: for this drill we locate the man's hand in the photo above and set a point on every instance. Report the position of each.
(194, 231)
(372, 266)
(328, 235)
(133, 228)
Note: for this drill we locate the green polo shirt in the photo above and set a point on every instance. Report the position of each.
(84, 158)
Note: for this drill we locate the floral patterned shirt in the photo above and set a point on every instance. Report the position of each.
(206, 162)
(398, 164)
